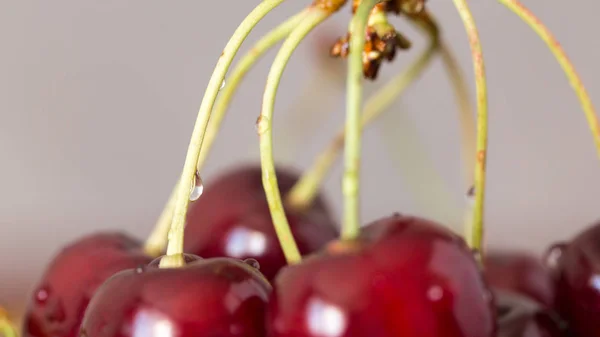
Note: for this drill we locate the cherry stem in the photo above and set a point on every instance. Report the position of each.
(174, 256)
(466, 114)
(315, 15)
(157, 240)
(352, 155)
(306, 189)
(474, 230)
(7, 329)
(544, 33)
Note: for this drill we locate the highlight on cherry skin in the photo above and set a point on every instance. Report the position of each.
(575, 266)
(404, 276)
(232, 219)
(72, 277)
(237, 258)
(206, 297)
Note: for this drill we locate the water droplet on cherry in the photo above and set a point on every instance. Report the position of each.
(197, 188)
(140, 269)
(252, 263)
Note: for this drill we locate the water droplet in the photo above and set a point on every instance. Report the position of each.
(435, 293)
(140, 269)
(471, 195)
(252, 263)
(222, 85)
(41, 296)
(197, 188)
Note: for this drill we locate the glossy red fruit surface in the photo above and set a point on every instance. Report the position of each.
(218, 297)
(520, 272)
(577, 272)
(521, 316)
(232, 219)
(405, 276)
(62, 295)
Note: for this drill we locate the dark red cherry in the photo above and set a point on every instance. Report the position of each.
(577, 272)
(404, 276)
(521, 316)
(211, 297)
(62, 295)
(520, 272)
(232, 219)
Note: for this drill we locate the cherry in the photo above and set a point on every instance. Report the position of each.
(521, 316)
(577, 273)
(521, 273)
(210, 297)
(63, 293)
(232, 219)
(404, 276)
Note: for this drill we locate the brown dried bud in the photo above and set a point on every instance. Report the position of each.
(378, 47)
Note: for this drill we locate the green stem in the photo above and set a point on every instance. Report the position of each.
(474, 230)
(7, 329)
(544, 33)
(466, 114)
(306, 189)
(157, 240)
(314, 17)
(351, 179)
(176, 232)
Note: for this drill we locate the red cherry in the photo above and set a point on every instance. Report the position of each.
(404, 276)
(232, 219)
(211, 297)
(58, 304)
(521, 316)
(521, 273)
(577, 270)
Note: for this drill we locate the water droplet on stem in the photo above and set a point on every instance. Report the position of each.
(197, 188)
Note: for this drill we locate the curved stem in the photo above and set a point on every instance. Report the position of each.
(306, 189)
(352, 153)
(544, 33)
(7, 329)
(157, 240)
(466, 114)
(474, 229)
(175, 245)
(315, 16)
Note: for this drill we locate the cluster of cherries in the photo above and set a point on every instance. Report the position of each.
(399, 276)
(404, 276)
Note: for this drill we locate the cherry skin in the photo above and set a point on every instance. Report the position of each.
(210, 297)
(521, 273)
(403, 276)
(69, 282)
(232, 219)
(521, 316)
(577, 273)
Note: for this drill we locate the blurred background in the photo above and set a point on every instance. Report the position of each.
(98, 100)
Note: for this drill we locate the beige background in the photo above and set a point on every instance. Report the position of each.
(97, 101)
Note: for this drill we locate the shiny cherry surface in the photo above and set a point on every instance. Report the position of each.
(404, 276)
(71, 279)
(521, 316)
(210, 297)
(232, 219)
(577, 272)
(520, 272)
